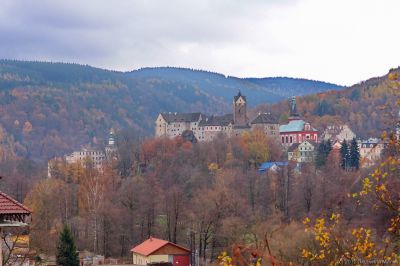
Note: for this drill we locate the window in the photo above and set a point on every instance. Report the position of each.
(291, 139)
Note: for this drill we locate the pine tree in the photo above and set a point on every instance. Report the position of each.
(323, 151)
(66, 249)
(344, 155)
(321, 159)
(354, 155)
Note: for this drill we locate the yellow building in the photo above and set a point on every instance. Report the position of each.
(155, 250)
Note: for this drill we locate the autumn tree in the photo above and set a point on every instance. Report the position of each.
(52, 204)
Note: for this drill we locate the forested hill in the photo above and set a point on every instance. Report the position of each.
(368, 107)
(48, 109)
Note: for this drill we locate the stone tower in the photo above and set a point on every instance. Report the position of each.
(239, 110)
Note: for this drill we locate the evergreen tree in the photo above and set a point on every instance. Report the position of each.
(323, 151)
(344, 155)
(354, 155)
(66, 249)
(320, 160)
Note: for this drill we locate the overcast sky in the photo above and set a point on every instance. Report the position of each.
(340, 41)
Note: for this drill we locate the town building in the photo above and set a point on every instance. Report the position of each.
(297, 130)
(370, 151)
(303, 152)
(87, 155)
(174, 124)
(338, 133)
(14, 215)
(155, 250)
(267, 123)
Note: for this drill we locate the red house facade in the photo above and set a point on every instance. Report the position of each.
(296, 131)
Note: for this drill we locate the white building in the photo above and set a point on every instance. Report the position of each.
(302, 152)
(370, 151)
(96, 157)
(338, 133)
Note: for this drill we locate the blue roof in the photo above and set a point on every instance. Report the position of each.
(267, 165)
(295, 125)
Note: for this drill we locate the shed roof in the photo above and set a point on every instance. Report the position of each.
(153, 244)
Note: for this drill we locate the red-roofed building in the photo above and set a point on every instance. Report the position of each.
(12, 210)
(13, 214)
(155, 250)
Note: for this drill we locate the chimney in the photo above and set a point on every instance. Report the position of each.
(151, 238)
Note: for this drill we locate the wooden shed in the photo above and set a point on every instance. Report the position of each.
(155, 250)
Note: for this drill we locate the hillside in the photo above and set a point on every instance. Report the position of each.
(368, 107)
(48, 109)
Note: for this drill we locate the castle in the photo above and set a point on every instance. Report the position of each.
(206, 128)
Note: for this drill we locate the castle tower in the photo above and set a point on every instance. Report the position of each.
(239, 110)
(294, 115)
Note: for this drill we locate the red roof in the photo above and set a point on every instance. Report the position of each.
(9, 205)
(151, 245)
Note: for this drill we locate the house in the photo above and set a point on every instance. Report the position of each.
(302, 152)
(370, 151)
(297, 130)
(157, 250)
(13, 214)
(267, 123)
(338, 133)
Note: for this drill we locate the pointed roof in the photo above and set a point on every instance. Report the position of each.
(10, 209)
(238, 96)
(153, 244)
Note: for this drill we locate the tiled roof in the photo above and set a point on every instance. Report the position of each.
(181, 117)
(9, 205)
(265, 118)
(151, 245)
(223, 120)
(294, 126)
